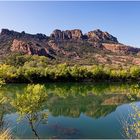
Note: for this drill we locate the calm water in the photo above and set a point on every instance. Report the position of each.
(73, 110)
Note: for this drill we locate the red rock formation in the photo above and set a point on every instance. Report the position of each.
(68, 34)
(76, 34)
(120, 48)
(27, 48)
(71, 44)
(20, 46)
(98, 35)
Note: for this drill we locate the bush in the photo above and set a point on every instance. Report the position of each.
(39, 72)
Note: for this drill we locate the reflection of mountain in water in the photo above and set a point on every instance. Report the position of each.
(72, 99)
(68, 100)
(92, 105)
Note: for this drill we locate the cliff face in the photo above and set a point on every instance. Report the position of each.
(120, 48)
(66, 35)
(100, 36)
(95, 36)
(69, 44)
(27, 48)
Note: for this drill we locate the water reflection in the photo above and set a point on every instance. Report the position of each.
(67, 100)
(131, 124)
(5, 108)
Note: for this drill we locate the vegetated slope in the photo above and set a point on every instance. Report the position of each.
(72, 46)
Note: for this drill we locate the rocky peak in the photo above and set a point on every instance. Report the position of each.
(76, 34)
(4, 31)
(98, 35)
(57, 34)
(95, 36)
(41, 36)
(68, 34)
(8, 32)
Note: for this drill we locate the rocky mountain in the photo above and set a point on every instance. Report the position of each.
(70, 45)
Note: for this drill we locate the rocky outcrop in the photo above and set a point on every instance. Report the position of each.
(57, 34)
(99, 36)
(28, 48)
(120, 48)
(6, 32)
(76, 34)
(96, 36)
(14, 34)
(68, 34)
(20, 46)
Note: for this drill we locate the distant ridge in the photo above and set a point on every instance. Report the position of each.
(70, 45)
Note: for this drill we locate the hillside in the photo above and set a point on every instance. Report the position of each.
(72, 46)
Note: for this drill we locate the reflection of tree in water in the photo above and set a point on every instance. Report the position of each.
(78, 89)
(5, 108)
(131, 122)
(93, 100)
(2, 112)
(29, 105)
(83, 89)
(70, 100)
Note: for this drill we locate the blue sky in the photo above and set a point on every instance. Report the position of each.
(121, 19)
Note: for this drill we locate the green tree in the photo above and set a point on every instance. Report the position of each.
(30, 105)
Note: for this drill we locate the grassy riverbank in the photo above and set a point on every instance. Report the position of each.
(63, 72)
(37, 69)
